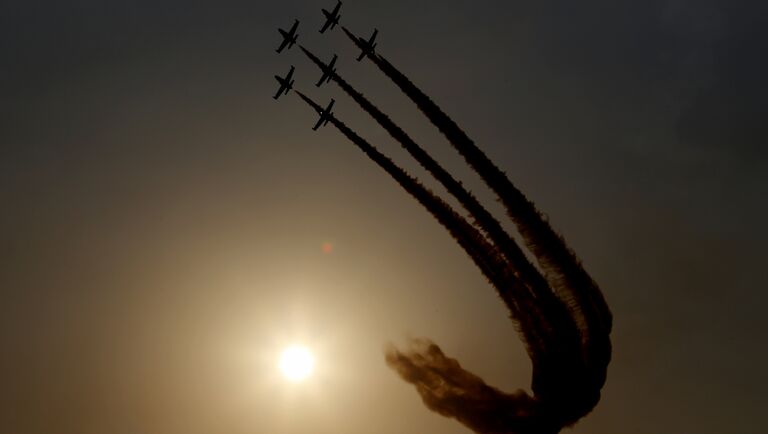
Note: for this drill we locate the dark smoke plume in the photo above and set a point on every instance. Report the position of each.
(552, 345)
(553, 320)
(484, 254)
(559, 312)
(568, 387)
(450, 390)
(483, 218)
(562, 269)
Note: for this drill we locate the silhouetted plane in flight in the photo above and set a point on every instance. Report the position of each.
(328, 71)
(286, 84)
(331, 18)
(289, 37)
(325, 116)
(368, 45)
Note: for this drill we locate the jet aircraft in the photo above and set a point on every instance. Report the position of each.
(289, 37)
(325, 116)
(331, 18)
(328, 71)
(286, 83)
(368, 45)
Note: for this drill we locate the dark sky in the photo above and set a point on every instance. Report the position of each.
(162, 217)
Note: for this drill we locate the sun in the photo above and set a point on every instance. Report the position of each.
(297, 363)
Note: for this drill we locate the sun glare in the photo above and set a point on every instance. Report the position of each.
(296, 363)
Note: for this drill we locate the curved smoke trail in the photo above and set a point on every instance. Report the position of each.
(443, 385)
(562, 268)
(561, 314)
(547, 308)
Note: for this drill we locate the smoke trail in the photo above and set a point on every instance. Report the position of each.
(547, 313)
(483, 218)
(443, 385)
(562, 269)
(448, 389)
(483, 254)
(455, 223)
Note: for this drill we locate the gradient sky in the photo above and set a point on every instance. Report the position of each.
(162, 218)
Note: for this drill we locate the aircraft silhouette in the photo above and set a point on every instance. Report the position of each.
(368, 45)
(328, 71)
(286, 83)
(331, 18)
(325, 116)
(289, 37)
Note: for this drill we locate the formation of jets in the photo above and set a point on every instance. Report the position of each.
(331, 18)
(289, 39)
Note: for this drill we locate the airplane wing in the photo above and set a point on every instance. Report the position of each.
(279, 91)
(295, 25)
(282, 45)
(326, 25)
(336, 9)
(375, 32)
(322, 79)
(360, 57)
(318, 124)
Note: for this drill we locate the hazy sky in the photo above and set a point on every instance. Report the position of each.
(162, 217)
